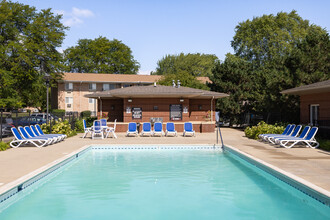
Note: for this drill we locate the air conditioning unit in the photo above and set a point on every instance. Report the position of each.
(69, 92)
(68, 105)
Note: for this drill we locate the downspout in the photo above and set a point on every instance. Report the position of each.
(100, 107)
(80, 97)
(212, 108)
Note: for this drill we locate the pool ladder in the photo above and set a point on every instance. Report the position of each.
(219, 134)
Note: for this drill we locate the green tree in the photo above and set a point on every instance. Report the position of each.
(193, 64)
(28, 42)
(235, 77)
(186, 68)
(284, 51)
(100, 56)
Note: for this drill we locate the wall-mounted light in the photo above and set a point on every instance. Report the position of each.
(181, 100)
(129, 100)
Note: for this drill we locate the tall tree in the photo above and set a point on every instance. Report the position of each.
(28, 42)
(194, 64)
(100, 56)
(284, 51)
(186, 68)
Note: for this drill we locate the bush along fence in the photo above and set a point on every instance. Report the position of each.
(58, 121)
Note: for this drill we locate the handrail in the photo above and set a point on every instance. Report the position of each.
(219, 133)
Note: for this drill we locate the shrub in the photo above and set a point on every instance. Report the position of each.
(60, 127)
(324, 144)
(79, 126)
(58, 112)
(3, 146)
(86, 114)
(262, 128)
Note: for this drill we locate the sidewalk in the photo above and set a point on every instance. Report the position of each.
(310, 164)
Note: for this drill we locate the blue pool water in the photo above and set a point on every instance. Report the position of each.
(162, 184)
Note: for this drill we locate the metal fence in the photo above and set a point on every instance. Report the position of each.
(16, 118)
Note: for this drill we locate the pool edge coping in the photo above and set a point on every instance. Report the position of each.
(319, 193)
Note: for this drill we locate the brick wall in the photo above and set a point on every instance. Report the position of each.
(198, 109)
(323, 99)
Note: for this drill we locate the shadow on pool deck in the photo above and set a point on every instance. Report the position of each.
(312, 165)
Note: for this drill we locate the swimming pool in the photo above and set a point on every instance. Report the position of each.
(161, 184)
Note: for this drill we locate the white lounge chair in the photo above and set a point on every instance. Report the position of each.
(158, 129)
(170, 129)
(293, 134)
(52, 139)
(188, 129)
(308, 141)
(132, 129)
(42, 133)
(146, 129)
(20, 140)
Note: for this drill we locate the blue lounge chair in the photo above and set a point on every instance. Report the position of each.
(302, 135)
(132, 129)
(158, 129)
(170, 129)
(59, 137)
(293, 134)
(288, 132)
(97, 129)
(146, 129)
(32, 135)
(20, 140)
(42, 133)
(263, 136)
(86, 129)
(309, 140)
(188, 129)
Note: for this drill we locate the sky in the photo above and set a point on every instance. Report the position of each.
(155, 28)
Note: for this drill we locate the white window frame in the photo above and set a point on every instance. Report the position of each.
(91, 100)
(68, 86)
(315, 107)
(68, 100)
(92, 86)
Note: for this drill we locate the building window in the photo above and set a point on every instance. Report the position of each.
(126, 85)
(68, 86)
(314, 114)
(155, 107)
(92, 86)
(68, 100)
(91, 100)
(107, 86)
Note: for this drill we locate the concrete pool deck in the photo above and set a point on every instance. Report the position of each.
(312, 165)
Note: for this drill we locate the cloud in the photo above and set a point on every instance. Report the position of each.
(85, 13)
(75, 17)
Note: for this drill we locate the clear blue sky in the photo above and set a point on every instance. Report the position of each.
(153, 28)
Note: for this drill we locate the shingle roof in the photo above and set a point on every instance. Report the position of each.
(318, 87)
(119, 78)
(156, 91)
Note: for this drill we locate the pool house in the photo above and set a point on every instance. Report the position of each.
(158, 103)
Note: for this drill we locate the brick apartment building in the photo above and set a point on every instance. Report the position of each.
(314, 104)
(72, 88)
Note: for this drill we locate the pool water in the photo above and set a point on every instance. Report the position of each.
(163, 184)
